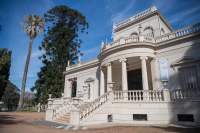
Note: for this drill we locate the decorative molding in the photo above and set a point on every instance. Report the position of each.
(184, 60)
(109, 64)
(90, 79)
(123, 60)
(143, 57)
(178, 50)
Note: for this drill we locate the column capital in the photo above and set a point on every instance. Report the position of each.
(108, 64)
(102, 68)
(143, 57)
(123, 60)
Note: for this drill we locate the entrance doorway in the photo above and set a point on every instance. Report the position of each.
(135, 80)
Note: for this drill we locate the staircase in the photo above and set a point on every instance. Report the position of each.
(66, 117)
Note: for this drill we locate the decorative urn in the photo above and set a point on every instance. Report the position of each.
(110, 85)
(165, 83)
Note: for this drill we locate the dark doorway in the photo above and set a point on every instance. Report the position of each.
(74, 89)
(135, 80)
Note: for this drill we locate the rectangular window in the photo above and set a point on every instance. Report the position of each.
(185, 117)
(110, 118)
(188, 77)
(139, 117)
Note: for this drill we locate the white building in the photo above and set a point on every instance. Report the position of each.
(124, 82)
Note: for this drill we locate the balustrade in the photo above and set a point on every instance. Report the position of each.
(178, 33)
(137, 16)
(92, 106)
(143, 95)
(185, 94)
(66, 107)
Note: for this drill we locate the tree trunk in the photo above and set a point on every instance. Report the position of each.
(21, 101)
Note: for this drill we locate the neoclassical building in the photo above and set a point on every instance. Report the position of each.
(149, 74)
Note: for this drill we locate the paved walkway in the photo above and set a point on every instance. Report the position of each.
(66, 126)
(57, 125)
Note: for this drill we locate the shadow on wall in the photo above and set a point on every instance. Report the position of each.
(180, 106)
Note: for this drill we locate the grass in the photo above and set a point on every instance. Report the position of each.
(28, 111)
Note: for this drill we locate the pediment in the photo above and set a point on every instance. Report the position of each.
(89, 80)
(185, 59)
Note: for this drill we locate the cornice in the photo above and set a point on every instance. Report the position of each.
(178, 40)
(82, 67)
(156, 12)
(126, 46)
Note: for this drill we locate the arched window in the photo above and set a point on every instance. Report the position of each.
(134, 34)
(148, 32)
(74, 86)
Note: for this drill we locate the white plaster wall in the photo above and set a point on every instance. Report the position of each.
(81, 77)
(126, 32)
(127, 53)
(157, 113)
(173, 53)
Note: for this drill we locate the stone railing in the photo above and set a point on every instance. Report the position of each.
(126, 40)
(82, 63)
(88, 109)
(144, 13)
(65, 107)
(88, 61)
(147, 38)
(178, 33)
(185, 94)
(136, 95)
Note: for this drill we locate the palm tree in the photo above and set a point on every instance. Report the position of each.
(33, 25)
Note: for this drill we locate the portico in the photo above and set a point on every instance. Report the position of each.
(117, 72)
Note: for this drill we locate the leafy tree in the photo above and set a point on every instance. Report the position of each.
(33, 25)
(11, 96)
(5, 63)
(28, 97)
(41, 92)
(61, 43)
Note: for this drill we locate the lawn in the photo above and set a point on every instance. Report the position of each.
(28, 111)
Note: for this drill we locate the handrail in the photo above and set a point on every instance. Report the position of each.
(94, 100)
(185, 94)
(156, 40)
(144, 13)
(90, 107)
(138, 95)
(90, 60)
(178, 33)
(60, 109)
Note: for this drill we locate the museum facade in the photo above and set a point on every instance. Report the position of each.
(149, 74)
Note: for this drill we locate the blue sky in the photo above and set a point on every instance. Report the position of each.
(100, 14)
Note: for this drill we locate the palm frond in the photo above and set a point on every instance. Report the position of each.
(32, 24)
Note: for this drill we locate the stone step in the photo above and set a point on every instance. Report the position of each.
(63, 118)
(63, 121)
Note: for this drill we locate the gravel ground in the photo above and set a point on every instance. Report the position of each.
(11, 122)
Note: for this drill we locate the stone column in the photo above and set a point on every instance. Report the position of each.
(154, 74)
(124, 74)
(144, 73)
(109, 73)
(102, 83)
